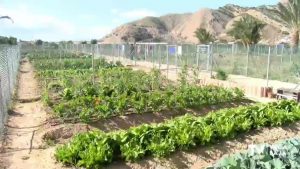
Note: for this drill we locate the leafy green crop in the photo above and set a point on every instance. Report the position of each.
(121, 91)
(180, 133)
(76, 92)
(285, 154)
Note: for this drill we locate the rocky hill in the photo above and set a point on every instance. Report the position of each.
(181, 27)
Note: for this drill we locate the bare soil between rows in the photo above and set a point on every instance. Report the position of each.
(60, 132)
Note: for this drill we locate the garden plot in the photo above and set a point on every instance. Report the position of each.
(178, 156)
(73, 92)
(80, 94)
(95, 149)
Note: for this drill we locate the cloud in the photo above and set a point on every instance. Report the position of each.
(87, 17)
(26, 21)
(132, 14)
(80, 33)
(137, 13)
(30, 25)
(24, 18)
(114, 11)
(95, 31)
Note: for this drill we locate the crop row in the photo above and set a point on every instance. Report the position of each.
(285, 154)
(121, 91)
(95, 149)
(73, 64)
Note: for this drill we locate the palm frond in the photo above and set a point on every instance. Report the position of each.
(7, 17)
(203, 36)
(247, 30)
(289, 13)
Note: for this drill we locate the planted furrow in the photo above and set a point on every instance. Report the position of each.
(95, 149)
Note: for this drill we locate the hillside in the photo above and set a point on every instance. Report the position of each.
(181, 27)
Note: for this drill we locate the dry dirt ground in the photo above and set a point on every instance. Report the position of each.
(27, 125)
(23, 146)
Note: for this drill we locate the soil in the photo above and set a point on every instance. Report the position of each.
(23, 146)
(59, 132)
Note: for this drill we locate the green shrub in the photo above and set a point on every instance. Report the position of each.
(221, 75)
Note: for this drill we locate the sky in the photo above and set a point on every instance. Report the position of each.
(56, 20)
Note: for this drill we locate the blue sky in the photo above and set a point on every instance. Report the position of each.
(56, 20)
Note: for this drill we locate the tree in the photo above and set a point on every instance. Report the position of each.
(12, 41)
(84, 42)
(248, 31)
(203, 36)
(8, 40)
(3, 40)
(289, 14)
(39, 42)
(94, 41)
(54, 45)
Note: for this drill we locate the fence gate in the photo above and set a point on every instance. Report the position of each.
(203, 57)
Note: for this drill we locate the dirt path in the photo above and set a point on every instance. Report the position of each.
(23, 147)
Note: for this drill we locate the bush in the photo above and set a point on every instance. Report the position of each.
(221, 75)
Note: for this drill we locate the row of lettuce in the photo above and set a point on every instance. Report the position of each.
(96, 149)
(76, 92)
(285, 154)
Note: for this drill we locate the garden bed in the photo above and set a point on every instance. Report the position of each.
(96, 148)
(76, 93)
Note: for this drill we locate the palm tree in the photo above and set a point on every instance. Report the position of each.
(94, 41)
(203, 36)
(289, 14)
(248, 31)
(7, 17)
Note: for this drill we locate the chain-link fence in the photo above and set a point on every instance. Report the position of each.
(9, 64)
(235, 59)
(256, 65)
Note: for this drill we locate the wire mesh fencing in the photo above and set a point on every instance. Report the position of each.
(235, 59)
(259, 61)
(9, 64)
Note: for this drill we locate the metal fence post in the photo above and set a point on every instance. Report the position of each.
(211, 60)
(8, 71)
(93, 64)
(268, 67)
(2, 110)
(167, 62)
(152, 53)
(208, 57)
(247, 63)
(197, 54)
(291, 53)
(176, 59)
(159, 57)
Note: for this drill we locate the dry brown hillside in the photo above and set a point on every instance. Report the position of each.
(181, 27)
